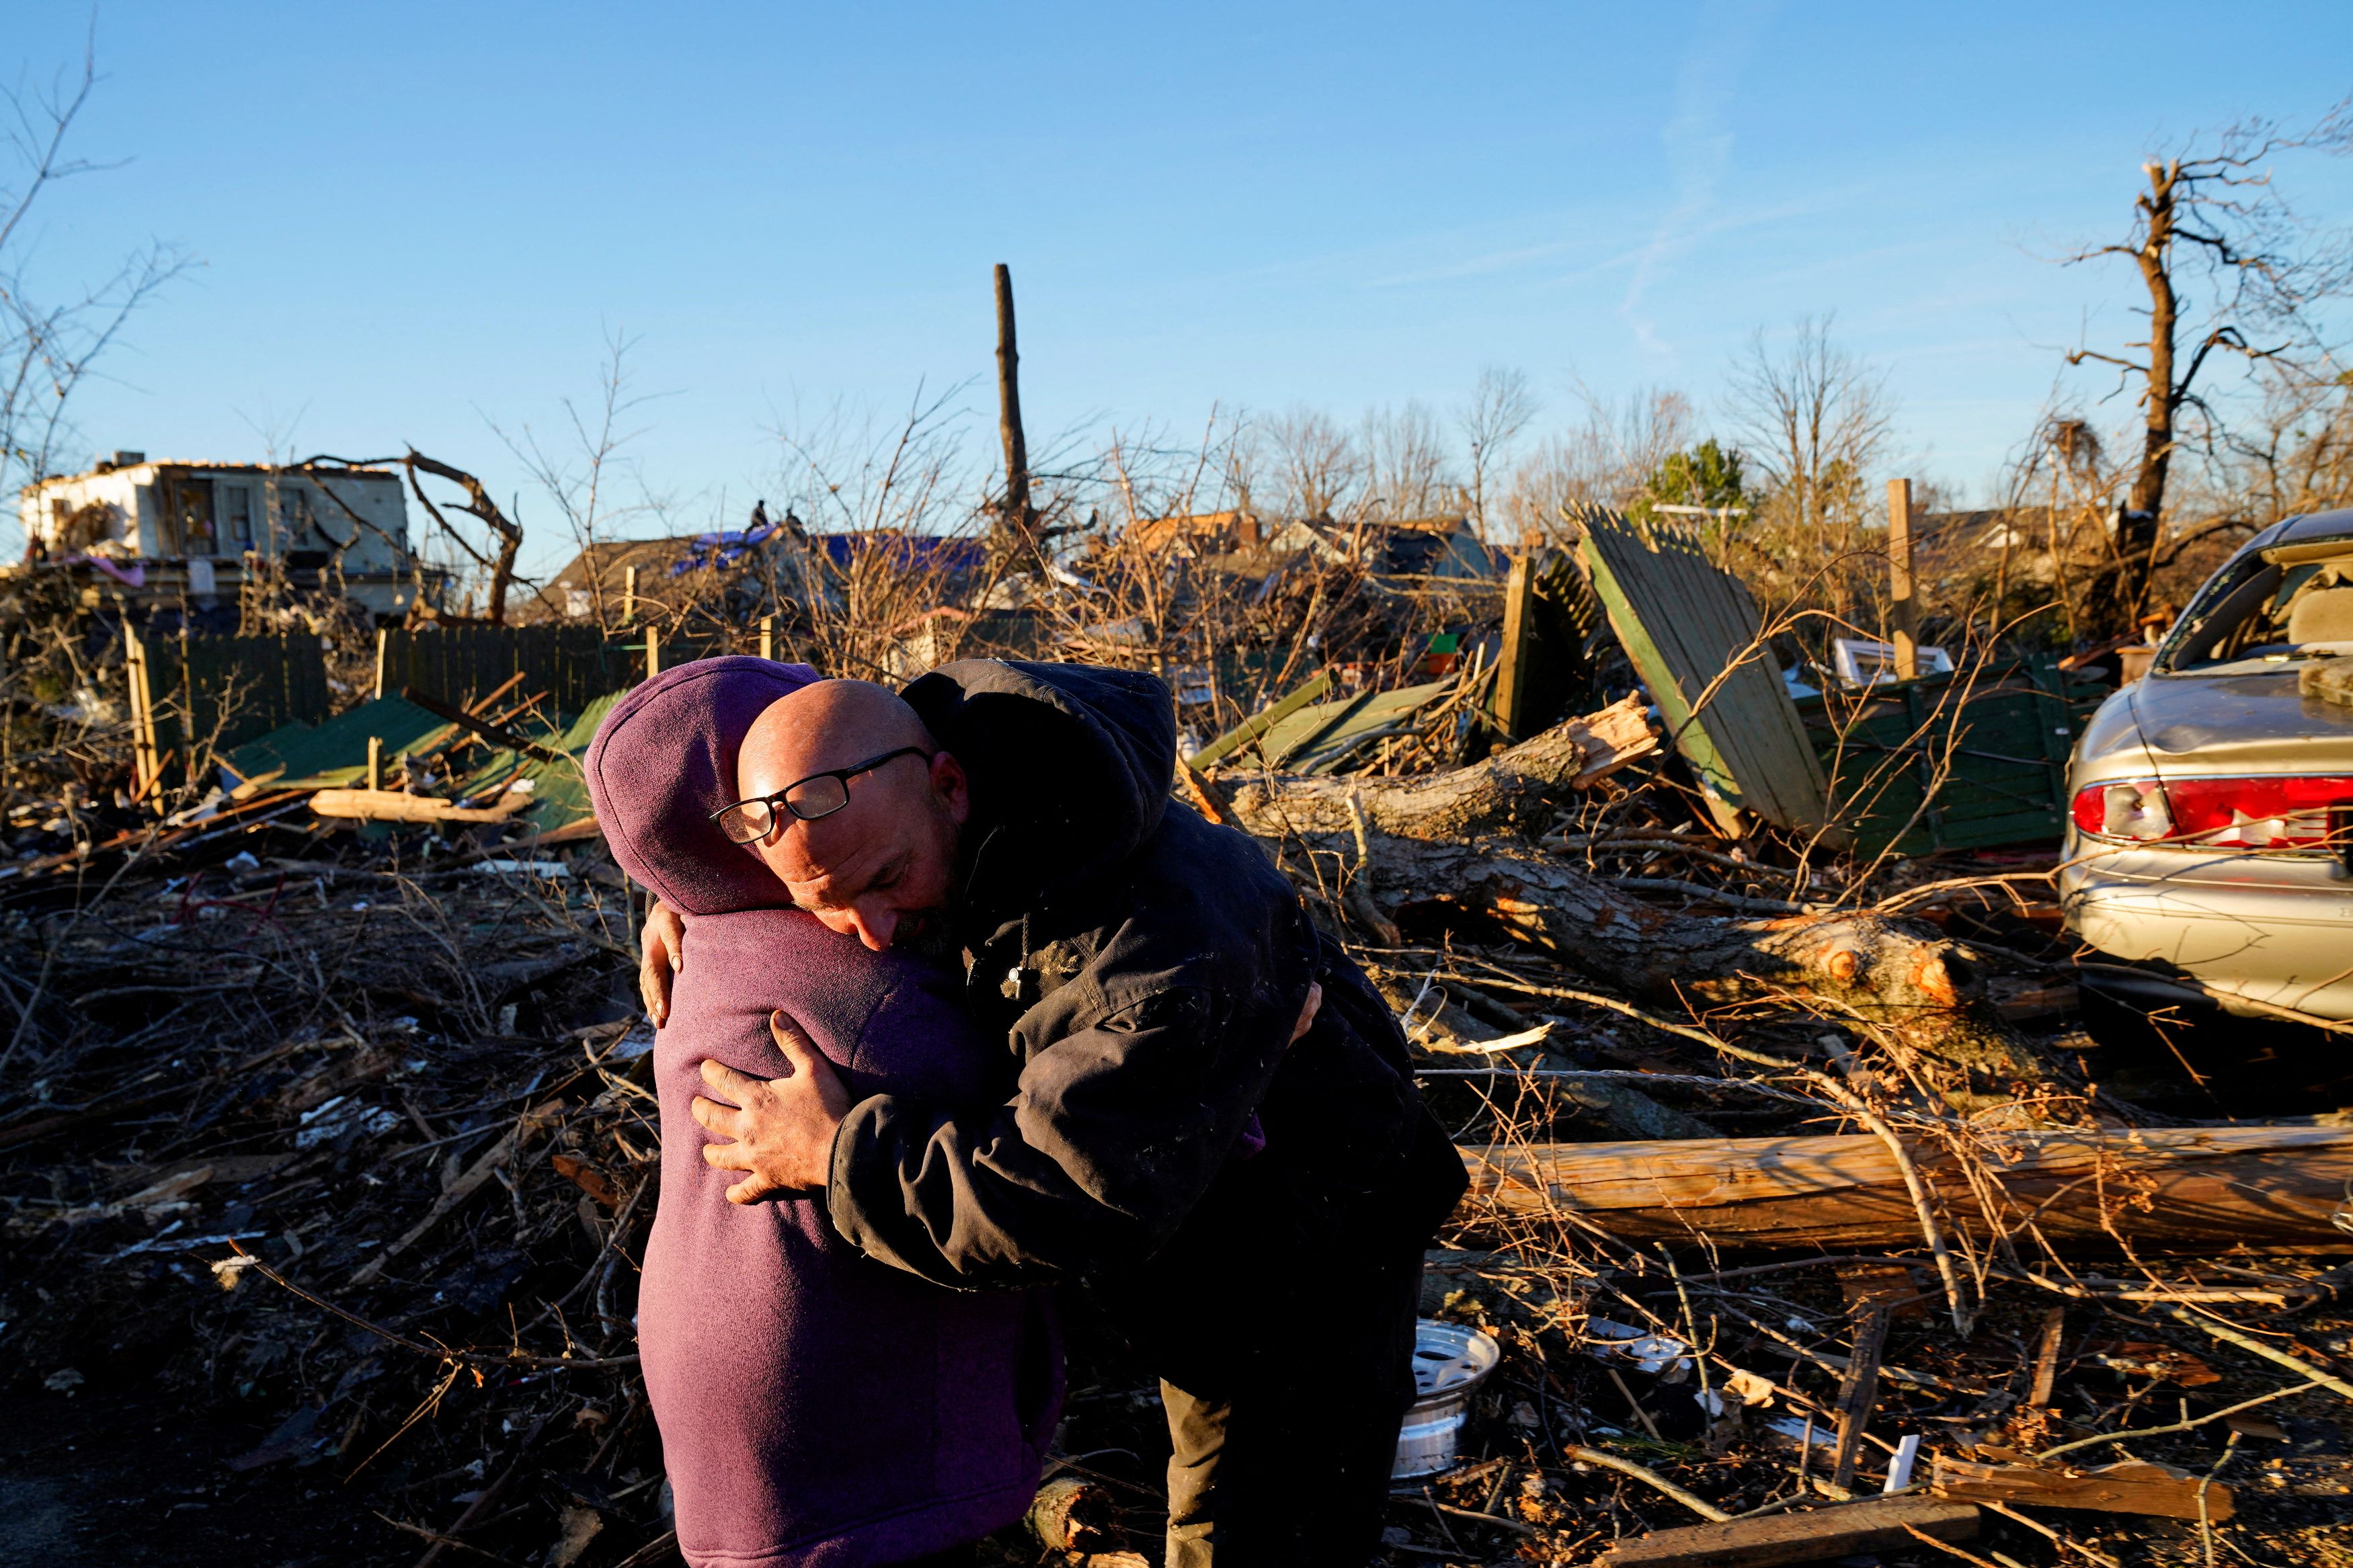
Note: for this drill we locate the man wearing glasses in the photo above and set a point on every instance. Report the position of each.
(1252, 1192)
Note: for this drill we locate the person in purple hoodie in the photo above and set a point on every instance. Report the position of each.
(816, 1407)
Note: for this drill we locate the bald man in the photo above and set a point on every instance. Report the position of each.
(1253, 1205)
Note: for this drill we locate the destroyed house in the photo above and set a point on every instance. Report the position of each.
(623, 580)
(1417, 547)
(1198, 533)
(161, 533)
(619, 580)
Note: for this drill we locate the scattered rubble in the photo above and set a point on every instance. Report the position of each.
(1808, 1220)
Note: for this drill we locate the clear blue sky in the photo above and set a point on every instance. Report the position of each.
(415, 218)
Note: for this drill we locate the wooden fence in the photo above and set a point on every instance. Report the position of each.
(192, 695)
(574, 665)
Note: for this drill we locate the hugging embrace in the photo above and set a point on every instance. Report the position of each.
(955, 1004)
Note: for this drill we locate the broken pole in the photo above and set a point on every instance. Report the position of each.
(1511, 665)
(1017, 515)
(146, 754)
(653, 647)
(628, 596)
(1859, 1393)
(767, 637)
(383, 646)
(375, 762)
(1903, 608)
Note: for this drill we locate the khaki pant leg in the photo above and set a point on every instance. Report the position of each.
(1196, 1436)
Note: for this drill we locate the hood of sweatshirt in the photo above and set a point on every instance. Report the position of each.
(1070, 767)
(664, 760)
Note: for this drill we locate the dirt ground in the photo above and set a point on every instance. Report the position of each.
(156, 1409)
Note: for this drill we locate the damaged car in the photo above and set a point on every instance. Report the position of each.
(2210, 847)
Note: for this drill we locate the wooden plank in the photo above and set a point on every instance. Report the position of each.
(1250, 729)
(147, 752)
(1313, 738)
(1872, 1525)
(2129, 1486)
(2160, 1187)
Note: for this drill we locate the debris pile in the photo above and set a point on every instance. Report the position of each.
(1808, 1218)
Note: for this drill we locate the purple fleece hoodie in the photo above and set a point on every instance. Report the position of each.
(816, 1407)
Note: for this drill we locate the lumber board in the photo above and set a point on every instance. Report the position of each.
(2129, 1486)
(1872, 1525)
(2177, 1187)
(1250, 729)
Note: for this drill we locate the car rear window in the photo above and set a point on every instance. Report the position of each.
(2255, 615)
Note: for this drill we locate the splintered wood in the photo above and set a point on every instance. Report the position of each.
(2132, 1486)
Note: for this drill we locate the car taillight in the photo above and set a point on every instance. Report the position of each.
(2220, 814)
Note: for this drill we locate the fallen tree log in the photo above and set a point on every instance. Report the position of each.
(1909, 979)
(1518, 788)
(2176, 1188)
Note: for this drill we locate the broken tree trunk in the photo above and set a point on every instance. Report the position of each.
(1914, 982)
(1518, 788)
(2165, 1189)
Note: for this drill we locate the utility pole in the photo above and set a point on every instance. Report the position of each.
(1017, 515)
(1903, 610)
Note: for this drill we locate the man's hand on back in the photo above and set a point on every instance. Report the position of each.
(661, 947)
(782, 1128)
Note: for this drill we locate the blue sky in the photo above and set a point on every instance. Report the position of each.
(413, 222)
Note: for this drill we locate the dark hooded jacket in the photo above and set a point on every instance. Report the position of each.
(1144, 968)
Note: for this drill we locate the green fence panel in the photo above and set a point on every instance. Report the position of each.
(1977, 761)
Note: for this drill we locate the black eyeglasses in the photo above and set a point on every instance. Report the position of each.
(819, 795)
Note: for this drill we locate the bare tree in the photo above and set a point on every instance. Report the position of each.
(2214, 216)
(586, 474)
(878, 581)
(2296, 454)
(1813, 420)
(506, 533)
(48, 345)
(1602, 459)
(1405, 464)
(1502, 404)
(1317, 464)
